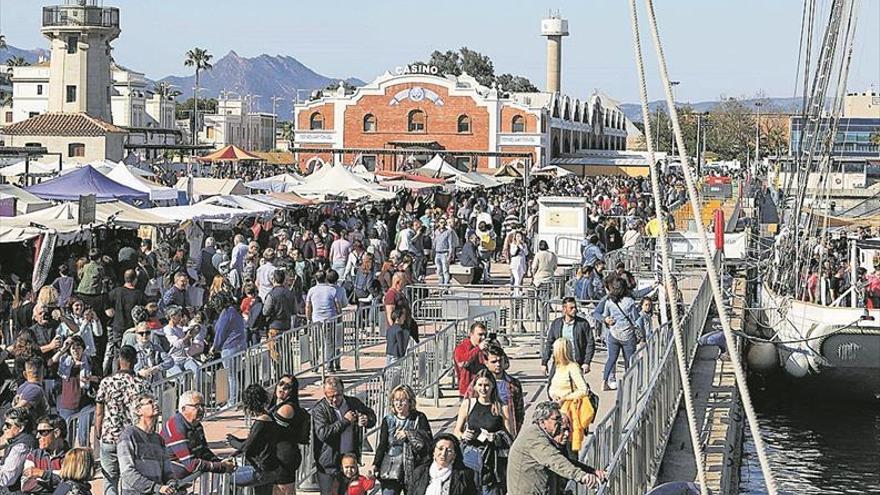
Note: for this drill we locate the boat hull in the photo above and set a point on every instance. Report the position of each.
(837, 345)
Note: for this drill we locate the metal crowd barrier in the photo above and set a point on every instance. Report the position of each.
(518, 309)
(629, 441)
(423, 367)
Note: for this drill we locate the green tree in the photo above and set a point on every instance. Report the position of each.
(200, 59)
(165, 90)
(478, 66)
(184, 109)
(732, 130)
(333, 86)
(515, 84)
(447, 63)
(875, 138)
(16, 62)
(287, 130)
(2, 41)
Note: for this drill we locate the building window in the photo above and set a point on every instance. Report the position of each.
(71, 94)
(33, 145)
(463, 163)
(369, 162)
(8, 117)
(369, 123)
(209, 132)
(39, 89)
(316, 122)
(416, 121)
(72, 41)
(33, 114)
(464, 124)
(518, 124)
(76, 149)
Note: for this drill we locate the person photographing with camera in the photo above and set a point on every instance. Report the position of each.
(469, 355)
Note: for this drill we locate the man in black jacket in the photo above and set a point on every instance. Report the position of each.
(574, 328)
(470, 259)
(338, 422)
(279, 306)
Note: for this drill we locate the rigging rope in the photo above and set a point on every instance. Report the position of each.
(697, 213)
(664, 250)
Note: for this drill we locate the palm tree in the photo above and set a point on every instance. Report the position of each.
(17, 62)
(201, 60)
(165, 90)
(287, 130)
(2, 41)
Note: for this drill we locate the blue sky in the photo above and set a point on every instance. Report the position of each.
(714, 47)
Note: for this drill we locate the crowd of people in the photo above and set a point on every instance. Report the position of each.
(89, 346)
(830, 278)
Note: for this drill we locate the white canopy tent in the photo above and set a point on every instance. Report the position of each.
(25, 202)
(476, 179)
(339, 181)
(205, 187)
(199, 212)
(122, 174)
(438, 167)
(34, 168)
(239, 202)
(276, 183)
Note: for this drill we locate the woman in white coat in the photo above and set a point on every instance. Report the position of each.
(518, 254)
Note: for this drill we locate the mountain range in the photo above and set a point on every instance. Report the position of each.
(265, 75)
(31, 56)
(633, 111)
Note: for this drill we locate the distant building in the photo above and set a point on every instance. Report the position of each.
(864, 105)
(77, 136)
(235, 123)
(857, 130)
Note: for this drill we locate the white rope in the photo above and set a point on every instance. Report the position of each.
(664, 258)
(707, 258)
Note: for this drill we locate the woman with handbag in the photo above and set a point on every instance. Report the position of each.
(484, 425)
(623, 334)
(569, 388)
(404, 439)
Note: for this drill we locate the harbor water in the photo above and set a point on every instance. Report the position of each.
(815, 444)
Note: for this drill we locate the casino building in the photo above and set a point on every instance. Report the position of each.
(416, 110)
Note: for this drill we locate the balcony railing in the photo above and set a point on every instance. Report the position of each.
(66, 15)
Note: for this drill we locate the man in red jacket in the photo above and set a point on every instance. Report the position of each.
(470, 354)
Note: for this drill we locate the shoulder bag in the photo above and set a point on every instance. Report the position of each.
(392, 465)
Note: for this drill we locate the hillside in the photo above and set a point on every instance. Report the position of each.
(265, 75)
(633, 111)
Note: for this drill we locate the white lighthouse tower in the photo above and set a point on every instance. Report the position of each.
(80, 33)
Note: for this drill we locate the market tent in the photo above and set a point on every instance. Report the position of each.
(229, 153)
(511, 169)
(276, 183)
(438, 167)
(339, 181)
(204, 187)
(240, 202)
(25, 202)
(64, 216)
(476, 179)
(552, 170)
(34, 168)
(86, 180)
(293, 198)
(199, 212)
(122, 174)
(403, 183)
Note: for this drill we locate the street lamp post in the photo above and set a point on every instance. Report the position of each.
(671, 133)
(275, 119)
(758, 106)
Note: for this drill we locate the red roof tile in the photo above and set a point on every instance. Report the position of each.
(61, 124)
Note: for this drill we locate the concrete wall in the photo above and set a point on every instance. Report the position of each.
(108, 147)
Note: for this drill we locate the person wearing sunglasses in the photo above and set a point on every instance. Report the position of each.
(17, 441)
(185, 439)
(41, 466)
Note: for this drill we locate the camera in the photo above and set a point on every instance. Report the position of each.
(492, 336)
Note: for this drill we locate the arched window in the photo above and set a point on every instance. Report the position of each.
(416, 121)
(464, 124)
(369, 123)
(316, 121)
(518, 124)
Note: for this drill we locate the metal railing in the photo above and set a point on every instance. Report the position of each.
(630, 440)
(72, 15)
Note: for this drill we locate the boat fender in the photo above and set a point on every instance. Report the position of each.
(797, 365)
(763, 357)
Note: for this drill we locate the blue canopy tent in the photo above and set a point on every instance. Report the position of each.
(83, 181)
